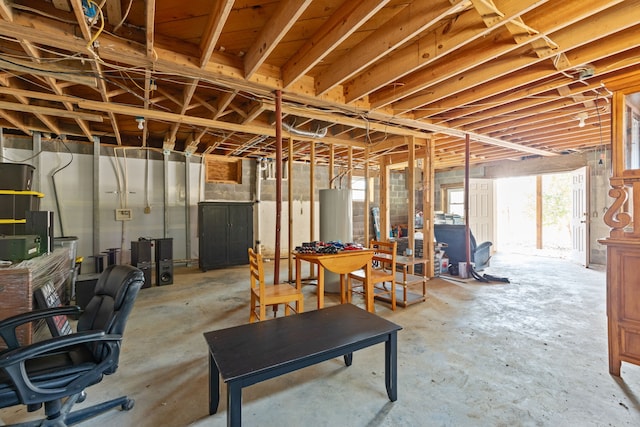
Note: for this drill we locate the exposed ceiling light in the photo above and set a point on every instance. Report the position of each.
(581, 118)
(140, 121)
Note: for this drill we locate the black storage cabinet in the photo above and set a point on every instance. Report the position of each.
(225, 231)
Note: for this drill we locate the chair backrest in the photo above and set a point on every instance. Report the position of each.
(385, 255)
(257, 271)
(112, 302)
(455, 236)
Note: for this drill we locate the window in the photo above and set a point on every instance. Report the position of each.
(358, 188)
(455, 198)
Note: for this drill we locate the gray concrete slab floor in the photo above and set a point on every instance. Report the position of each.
(529, 353)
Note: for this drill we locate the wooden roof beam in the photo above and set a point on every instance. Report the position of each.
(149, 16)
(18, 123)
(464, 29)
(217, 18)
(568, 37)
(255, 112)
(344, 22)
(6, 12)
(187, 95)
(414, 19)
(272, 32)
(478, 85)
(96, 67)
(114, 12)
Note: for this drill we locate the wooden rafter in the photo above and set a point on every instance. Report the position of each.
(217, 18)
(86, 32)
(489, 82)
(5, 11)
(149, 14)
(342, 23)
(412, 21)
(285, 16)
(512, 73)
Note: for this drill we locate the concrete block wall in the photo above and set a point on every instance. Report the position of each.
(242, 192)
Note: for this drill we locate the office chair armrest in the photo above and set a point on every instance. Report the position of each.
(13, 362)
(9, 325)
(30, 351)
(483, 245)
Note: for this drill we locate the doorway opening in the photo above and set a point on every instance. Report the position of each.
(534, 215)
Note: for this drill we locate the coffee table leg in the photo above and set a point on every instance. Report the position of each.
(214, 386)
(234, 404)
(391, 366)
(348, 359)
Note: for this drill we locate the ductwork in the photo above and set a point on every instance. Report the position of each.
(320, 133)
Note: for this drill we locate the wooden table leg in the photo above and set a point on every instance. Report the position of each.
(320, 287)
(234, 404)
(404, 285)
(368, 284)
(298, 273)
(214, 386)
(391, 366)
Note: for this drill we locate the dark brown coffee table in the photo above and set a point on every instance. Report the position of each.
(248, 354)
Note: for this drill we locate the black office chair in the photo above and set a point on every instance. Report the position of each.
(455, 236)
(56, 371)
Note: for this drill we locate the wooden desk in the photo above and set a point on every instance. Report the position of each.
(406, 279)
(342, 263)
(254, 352)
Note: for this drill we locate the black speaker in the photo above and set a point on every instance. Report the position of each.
(164, 272)
(41, 224)
(140, 252)
(164, 249)
(145, 267)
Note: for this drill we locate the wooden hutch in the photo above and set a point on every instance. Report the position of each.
(623, 243)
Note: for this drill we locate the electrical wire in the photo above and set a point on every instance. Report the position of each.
(97, 34)
(55, 188)
(124, 17)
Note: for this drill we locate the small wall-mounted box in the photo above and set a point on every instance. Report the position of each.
(124, 215)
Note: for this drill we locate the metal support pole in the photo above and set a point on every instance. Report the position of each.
(96, 195)
(467, 157)
(187, 206)
(166, 154)
(36, 185)
(276, 267)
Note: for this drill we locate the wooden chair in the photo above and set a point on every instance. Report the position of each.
(382, 276)
(270, 295)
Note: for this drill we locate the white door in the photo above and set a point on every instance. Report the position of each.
(481, 210)
(580, 216)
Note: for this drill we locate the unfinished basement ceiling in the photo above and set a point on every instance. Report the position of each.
(356, 77)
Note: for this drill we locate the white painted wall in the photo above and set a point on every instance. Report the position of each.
(75, 193)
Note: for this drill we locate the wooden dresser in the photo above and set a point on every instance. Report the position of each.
(623, 243)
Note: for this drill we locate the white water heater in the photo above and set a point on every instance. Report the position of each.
(336, 224)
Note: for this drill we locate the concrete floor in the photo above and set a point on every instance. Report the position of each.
(529, 353)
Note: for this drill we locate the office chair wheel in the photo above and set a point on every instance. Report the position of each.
(128, 405)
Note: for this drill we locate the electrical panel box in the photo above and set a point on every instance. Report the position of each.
(124, 215)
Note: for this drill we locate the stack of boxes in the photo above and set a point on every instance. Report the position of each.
(16, 200)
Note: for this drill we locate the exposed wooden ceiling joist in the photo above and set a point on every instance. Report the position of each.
(510, 73)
